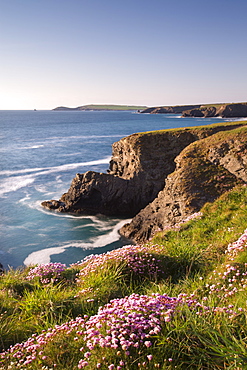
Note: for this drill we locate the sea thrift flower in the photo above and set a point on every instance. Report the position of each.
(47, 272)
(124, 322)
(138, 259)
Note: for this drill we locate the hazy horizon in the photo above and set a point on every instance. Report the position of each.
(73, 53)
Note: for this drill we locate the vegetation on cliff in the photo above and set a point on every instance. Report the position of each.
(90, 107)
(177, 302)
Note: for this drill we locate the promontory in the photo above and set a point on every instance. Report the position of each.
(225, 110)
(159, 178)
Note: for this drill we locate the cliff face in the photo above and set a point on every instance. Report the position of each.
(217, 110)
(177, 109)
(159, 178)
(224, 110)
(139, 166)
(204, 170)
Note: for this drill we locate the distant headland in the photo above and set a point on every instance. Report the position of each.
(225, 110)
(93, 107)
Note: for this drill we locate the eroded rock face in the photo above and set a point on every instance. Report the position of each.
(176, 109)
(204, 170)
(217, 110)
(224, 110)
(138, 168)
(143, 164)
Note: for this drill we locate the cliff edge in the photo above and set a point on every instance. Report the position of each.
(150, 179)
(226, 110)
(204, 170)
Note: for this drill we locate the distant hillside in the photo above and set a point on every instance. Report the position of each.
(203, 110)
(101, 107)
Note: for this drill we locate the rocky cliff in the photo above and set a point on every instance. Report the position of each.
(219, 110)
(204, 170)
(139, 166)
(176, 109)
(208, 110)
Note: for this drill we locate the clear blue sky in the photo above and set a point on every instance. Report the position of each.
(156, 52)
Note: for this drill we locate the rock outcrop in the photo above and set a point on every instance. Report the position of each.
(139, 166)
(204, 170)
(219, 110)
(208, 110)
(176, 109)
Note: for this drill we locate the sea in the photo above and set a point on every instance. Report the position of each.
(41, 152)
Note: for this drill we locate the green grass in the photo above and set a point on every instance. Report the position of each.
(104, 107)
(112, 107)
(193, 261)
(193, 129)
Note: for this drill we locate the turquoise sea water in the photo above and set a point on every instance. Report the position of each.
(41, 151)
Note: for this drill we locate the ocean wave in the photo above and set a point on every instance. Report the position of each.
(44, 255)
(37, 205)
(31, 147)
(63, 167)
(13, 183)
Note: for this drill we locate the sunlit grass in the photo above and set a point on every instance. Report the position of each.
(190, 270)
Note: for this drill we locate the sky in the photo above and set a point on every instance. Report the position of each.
(136, 52)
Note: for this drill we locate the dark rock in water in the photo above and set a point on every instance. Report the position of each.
(160, 177)
(53, 204)
(93, 192)
(193, 113)
(1, 269)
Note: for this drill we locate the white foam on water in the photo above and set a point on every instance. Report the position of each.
(174, 116)
(83, 226)
(13, 183)
(98, 223)
(63, 167)
(44, 255)
(113, 235)
(31, 147)
(26, 198)
(37, 205)
(26, 170)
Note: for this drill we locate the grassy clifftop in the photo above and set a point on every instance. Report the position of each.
(177, 302)
(102, 107)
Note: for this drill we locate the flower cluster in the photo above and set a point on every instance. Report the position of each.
(233, 279)
(227, 283)
(238, 246)
(47, 272)
(138, 259)
(126, 325)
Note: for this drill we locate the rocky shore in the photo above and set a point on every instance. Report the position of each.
(208, 110)
(161, 177)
